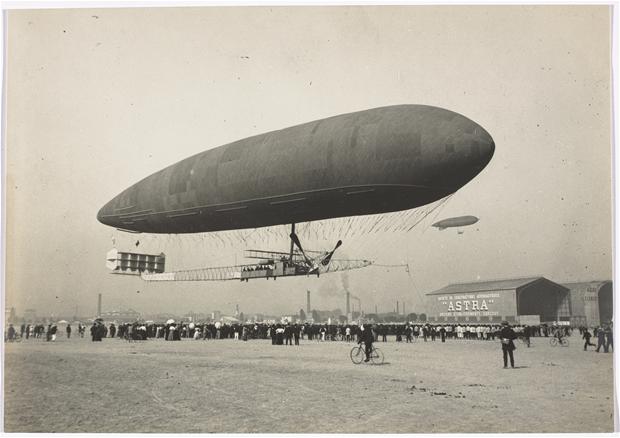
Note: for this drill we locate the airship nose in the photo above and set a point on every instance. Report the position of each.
(104, 215)
(468, 149)
(486, 145)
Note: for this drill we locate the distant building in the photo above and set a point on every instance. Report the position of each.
(530, 298)
(195, 317)
(161, 317)
(121, 316)
(592, 302)
(216, 315)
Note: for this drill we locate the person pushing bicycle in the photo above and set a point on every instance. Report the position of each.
(558, 334)
(367, 338)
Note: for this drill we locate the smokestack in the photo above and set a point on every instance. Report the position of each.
(308, 310)
(397, 312)
(376, 313)
(99, 305)
(348, 302)
(404, 313)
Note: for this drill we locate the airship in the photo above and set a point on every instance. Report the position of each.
(374, 161)
(452, 222)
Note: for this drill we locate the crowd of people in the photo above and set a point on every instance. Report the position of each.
(39, 331)
(291, 333)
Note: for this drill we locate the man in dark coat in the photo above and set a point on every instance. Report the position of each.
(288, 334)
(367, 338)
(442, 332)
(587, 336)
(296, 331)
(610, 339)
(507, 336)
(600, 334)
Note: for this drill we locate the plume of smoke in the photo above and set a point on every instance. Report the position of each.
(344, 277)
(329, 289)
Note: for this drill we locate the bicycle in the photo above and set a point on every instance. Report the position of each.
(555, 341)
(359, 353)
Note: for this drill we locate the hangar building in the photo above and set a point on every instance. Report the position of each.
(591, 302)
(529, 300)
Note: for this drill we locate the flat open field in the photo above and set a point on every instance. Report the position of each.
(234, 386)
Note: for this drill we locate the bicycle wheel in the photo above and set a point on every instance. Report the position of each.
(376, 357)
(564, 342)
(357, 355)
(553, 341)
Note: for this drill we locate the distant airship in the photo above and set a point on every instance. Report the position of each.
(461, 221)
(374, 161)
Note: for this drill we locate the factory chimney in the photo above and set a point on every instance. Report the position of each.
(99, 305)
(348, 302)
(308, 310)
(397, 312)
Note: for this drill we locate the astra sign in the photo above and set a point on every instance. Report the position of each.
(479, 304)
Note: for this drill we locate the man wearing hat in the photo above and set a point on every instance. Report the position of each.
(367, 338)
(507, 336)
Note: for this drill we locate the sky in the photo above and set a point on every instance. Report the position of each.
(97, 99)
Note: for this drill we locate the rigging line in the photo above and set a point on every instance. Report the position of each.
(393, 218)
(410, 214)
(412, 217)
(390, 221)
(423, 217)
(378, 223)
(402, 219)
(368, 238)
(220, 240)
(369, 224)
(359, 222)
(441, 207)
(359, 226)
(350, 224)
(415, 287)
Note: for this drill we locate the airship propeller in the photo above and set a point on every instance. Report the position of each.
(329, 255)
(297, 243)
(313, 264)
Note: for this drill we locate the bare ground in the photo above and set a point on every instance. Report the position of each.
(233, 386)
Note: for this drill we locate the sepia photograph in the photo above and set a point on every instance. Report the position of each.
(308, 219)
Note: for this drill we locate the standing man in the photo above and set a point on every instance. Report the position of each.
(600, 334)
(527, 333)
(288, 334)
(296, 333)
(408, 332)
(367, 338)
(11, 333)
(587, 336)
(68, 331)
(507, 335)
(610, 338)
